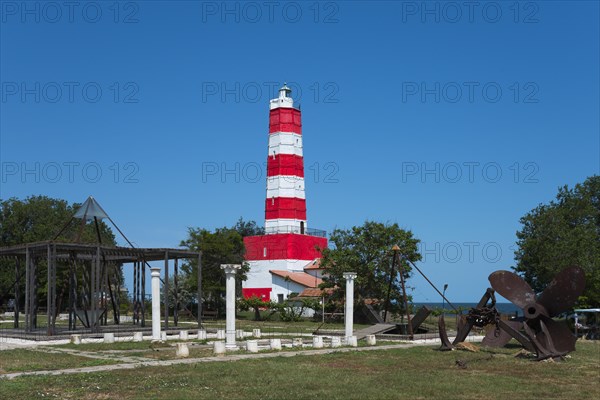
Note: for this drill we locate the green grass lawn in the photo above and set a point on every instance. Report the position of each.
(415, 373)
(29, 360)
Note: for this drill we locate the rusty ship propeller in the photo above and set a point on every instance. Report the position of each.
(549, 338)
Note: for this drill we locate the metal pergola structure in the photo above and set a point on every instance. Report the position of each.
(91, 281)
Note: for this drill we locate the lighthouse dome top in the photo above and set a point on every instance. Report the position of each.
(284, 100)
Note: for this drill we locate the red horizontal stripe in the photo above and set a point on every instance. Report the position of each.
(286, 214)
(285, 207)
(284, 246)
(285, 120)
(262, 293)
(285, 164)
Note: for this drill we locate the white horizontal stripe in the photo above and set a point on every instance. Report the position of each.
(285, 193)
(285, 181)
(285, 143)
(257, 266)
(285, 186)
(287, 225)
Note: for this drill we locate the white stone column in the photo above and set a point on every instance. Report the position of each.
(155, 273)
(349, 314)
(230, 270)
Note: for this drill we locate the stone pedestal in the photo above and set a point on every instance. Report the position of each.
(256, 333)
(317, 342)
(76, 339)
(138, 336)
(201, 334)
(220, 333)
(182, 350)
(183, 335)
(275, 344)
(219, 348)
(352, 341)
(109, 338)
(336, 341)
(252, 346)
(371, 341)
(230, 270)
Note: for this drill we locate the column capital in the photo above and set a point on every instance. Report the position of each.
(155, 271)
(350, 275)
(230, 268)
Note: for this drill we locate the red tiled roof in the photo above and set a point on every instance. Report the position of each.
(314, 264)
(315, 292)
(301, 278)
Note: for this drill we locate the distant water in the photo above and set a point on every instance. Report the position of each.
(503, 308)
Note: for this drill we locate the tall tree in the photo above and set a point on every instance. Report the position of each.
(39, 218)
(367, 250)
(562, 233)
(221, 246)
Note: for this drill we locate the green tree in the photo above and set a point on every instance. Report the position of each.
(39, 218)
(562, 233)
(367, 250)
(257, 304)
(222, 246)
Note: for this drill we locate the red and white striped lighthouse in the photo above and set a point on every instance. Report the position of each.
(285, 208)
(278, 259)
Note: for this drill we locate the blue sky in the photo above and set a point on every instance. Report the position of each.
(452, 119)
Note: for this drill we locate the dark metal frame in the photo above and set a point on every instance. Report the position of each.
(93, 261)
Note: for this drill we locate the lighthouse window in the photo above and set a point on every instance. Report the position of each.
(264, 252)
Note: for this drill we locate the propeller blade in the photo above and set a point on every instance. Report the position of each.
(560, 336)
(499, 337)
(562, 293)
(512, 287)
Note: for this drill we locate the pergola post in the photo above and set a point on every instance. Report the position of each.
(175, 283)
(200, 305)
(17, 292)
(166, 289)
(27, 290)
(143, 272)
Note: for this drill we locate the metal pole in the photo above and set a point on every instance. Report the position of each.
(135, 294)
(34, 299)
(387, 300)
(444, 298)
(17, 294)
(27, 289)
(166, 290)
(96, 313)
(175, 283)
(409, 325)
(428, 281)
(323, 308)
(49, 291)
(142, 270)
(200, 305)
